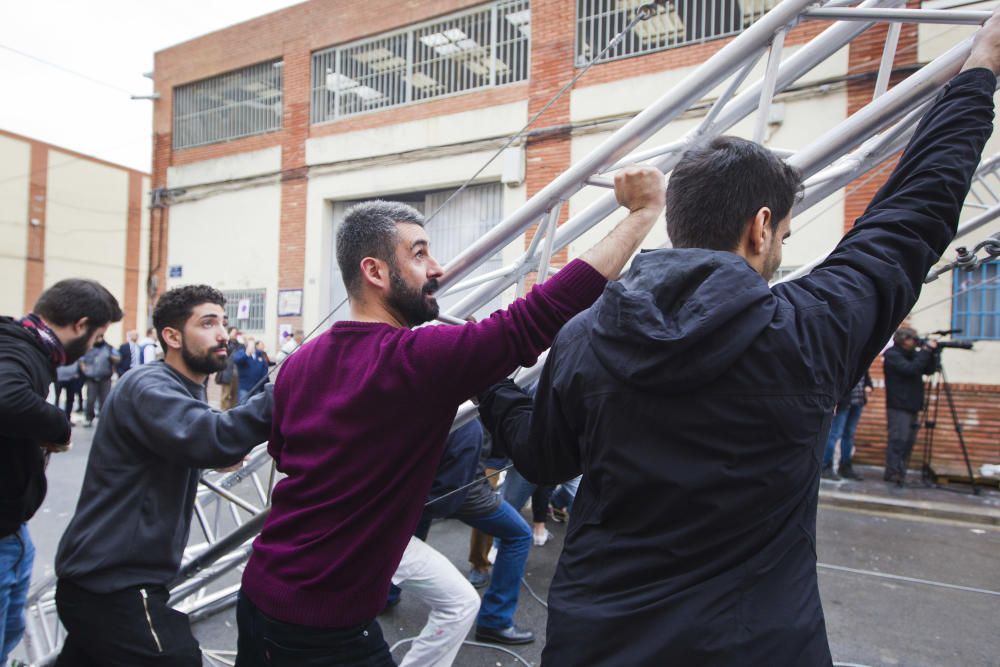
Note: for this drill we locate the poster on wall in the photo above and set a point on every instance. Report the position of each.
(289, 303)
(243, 310)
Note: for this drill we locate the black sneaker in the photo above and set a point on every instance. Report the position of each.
(828, 473)
(847, 471)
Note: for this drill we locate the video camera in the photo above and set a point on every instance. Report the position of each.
(942, 344)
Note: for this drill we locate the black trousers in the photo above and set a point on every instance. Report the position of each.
(132, 627)
(903, 427)
(267, 642)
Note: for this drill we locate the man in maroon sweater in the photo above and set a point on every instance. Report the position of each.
(360, 418)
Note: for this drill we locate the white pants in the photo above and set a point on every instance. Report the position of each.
(428, 575)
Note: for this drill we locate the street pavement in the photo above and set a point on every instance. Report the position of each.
(919, 617)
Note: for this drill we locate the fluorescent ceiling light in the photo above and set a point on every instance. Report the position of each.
(421, 80)
(367, 93)
(434, 39)
(519, 18)
(335, 82)
(454, 34)
(374, 54)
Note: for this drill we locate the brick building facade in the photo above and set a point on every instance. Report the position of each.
(278, 193)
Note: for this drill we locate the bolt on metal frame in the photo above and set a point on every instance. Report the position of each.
(208, 578)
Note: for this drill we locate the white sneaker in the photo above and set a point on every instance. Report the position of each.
(540, 540)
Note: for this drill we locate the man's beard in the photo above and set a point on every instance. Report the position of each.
(412, 304)
(206, 363)
(77, 347)
(771, 263)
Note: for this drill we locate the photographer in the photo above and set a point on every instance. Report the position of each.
(906, 362)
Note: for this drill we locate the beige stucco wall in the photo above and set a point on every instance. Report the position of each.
(15, 165)
(86, 225)
(230, 241)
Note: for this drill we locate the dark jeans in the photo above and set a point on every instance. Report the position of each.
(132, 627)
(844, 424)
(267, 642)
(97, 392)
(903, 427)
(514, 541)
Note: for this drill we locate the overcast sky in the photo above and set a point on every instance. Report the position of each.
(112, 41)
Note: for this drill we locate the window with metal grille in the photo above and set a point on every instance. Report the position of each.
(245, 308)
(976, 305)
(479, 48)
(236, 104)
(674, 24)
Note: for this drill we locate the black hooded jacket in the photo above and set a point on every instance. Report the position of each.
(26, 421)
(696, 401)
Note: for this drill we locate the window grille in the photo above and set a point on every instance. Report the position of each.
(481, 48)
(678, 23)
(254, 316)
(976, 303)
(232, 105)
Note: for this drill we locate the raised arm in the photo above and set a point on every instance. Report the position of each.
(489, 350)
(874, 276)
(643, 191)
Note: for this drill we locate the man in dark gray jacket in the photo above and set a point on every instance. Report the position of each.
(696, 400)
(127, 537)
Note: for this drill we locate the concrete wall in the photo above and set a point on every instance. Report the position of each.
(15, 163)
(230, 241)
(87, 213)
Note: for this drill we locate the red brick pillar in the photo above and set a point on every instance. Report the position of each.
(34, 266)
(133, 231)
(294, 173)
(552, 39)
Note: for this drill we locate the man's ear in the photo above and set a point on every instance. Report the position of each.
(759, 231)
(375, 272)
(80, 326)
(173, 338)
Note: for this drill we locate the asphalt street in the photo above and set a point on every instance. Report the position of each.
(919, 617)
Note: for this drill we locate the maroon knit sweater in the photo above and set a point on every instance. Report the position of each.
(360, 419)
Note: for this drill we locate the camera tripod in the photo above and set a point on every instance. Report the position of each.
(935, 383)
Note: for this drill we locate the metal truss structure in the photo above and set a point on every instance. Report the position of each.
(231, 508)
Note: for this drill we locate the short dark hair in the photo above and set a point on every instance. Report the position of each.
(175, 306)
(369, 230)
(72, 299)
(717, 188)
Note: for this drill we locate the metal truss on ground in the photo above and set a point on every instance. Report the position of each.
(231, 508)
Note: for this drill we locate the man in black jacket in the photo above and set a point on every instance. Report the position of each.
(65, 322)
(905, 367)
(695, 400)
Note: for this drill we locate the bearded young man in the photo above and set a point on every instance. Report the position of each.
(127, 537)
(66, 320)
(361, 417)
(696, 400)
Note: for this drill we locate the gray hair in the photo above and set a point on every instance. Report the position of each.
(369, 230)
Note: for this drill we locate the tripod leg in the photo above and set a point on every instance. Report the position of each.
(933, 388)
(958, 432)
